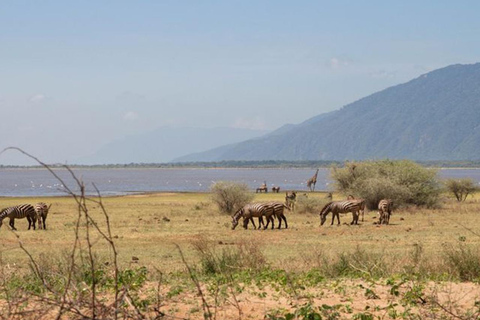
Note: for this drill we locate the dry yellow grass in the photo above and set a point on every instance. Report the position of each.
(141, 229)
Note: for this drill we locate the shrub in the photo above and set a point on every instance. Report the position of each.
(461, 188)
(244, 256)
(403, 181)
(309, 205)
(230, 196)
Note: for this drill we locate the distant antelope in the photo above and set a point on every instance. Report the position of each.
(19, 212)
(312, 181)
(337, 207)
(291, 199)
(249, 211)
(263, 188)
(385, 210)
(41, 210)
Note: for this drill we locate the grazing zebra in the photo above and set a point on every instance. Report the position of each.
(312, 181)
(19, 212)
(385, 210)
(337, 207)
(278, 211)
(276, 189)
(249, 211)
(41, 209)
(290, 200)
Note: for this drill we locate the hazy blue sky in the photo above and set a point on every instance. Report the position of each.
(75, 75)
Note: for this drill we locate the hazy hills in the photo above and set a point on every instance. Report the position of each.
(433, 117)
(166, 143)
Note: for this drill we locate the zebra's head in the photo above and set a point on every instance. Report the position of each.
(324, 212)
(235, 218)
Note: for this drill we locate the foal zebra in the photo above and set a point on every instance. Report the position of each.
(19, 212)
(249, 211)
(337, 207)
(41, 210)
(385, 210)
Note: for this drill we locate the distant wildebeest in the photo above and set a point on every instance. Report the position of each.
(263, 188)
(276, 189)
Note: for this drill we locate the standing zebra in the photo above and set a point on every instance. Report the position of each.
(41, 209)
(312, 181)
(385, 210)
(249, 211)
(290, 200)
(362, 206)
(337, 207)
(19, 212)
(278, 211)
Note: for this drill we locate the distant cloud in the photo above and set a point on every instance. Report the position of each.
(130, 116)
(253, 124)
(336, 63)
(39, 97)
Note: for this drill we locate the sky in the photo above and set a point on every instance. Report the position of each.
(75, 75)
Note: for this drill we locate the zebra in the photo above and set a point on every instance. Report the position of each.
(337, 207)
(290, 200)
(385, 210)
(278, 211)
(41, 209)
(312, 181)
(19, 212)
(249, 211)
(362, 207)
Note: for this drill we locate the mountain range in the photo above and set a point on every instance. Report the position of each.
(433, 117)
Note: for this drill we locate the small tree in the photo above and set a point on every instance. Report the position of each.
(230, 196)
(403, 181)
(461, 188)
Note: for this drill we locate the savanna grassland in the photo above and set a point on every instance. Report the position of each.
(425, 264)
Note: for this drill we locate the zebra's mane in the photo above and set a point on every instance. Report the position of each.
(327, 206)
(238, 214)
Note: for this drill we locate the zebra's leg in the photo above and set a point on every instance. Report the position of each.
(12, 224)
(43, 220)
(338, 218)
(253, 222)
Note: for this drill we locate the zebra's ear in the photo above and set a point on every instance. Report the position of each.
(49, 206)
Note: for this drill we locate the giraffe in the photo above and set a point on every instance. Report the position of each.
(312, 181)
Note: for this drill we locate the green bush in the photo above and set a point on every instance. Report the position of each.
(402, 181)
(230, 196)
(461, 188)
(305, 204)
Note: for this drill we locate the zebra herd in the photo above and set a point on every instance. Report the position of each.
(35, 213)
(270, 210)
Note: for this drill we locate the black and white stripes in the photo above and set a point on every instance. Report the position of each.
(19, 212)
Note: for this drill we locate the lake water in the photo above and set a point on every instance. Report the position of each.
(40, 182)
